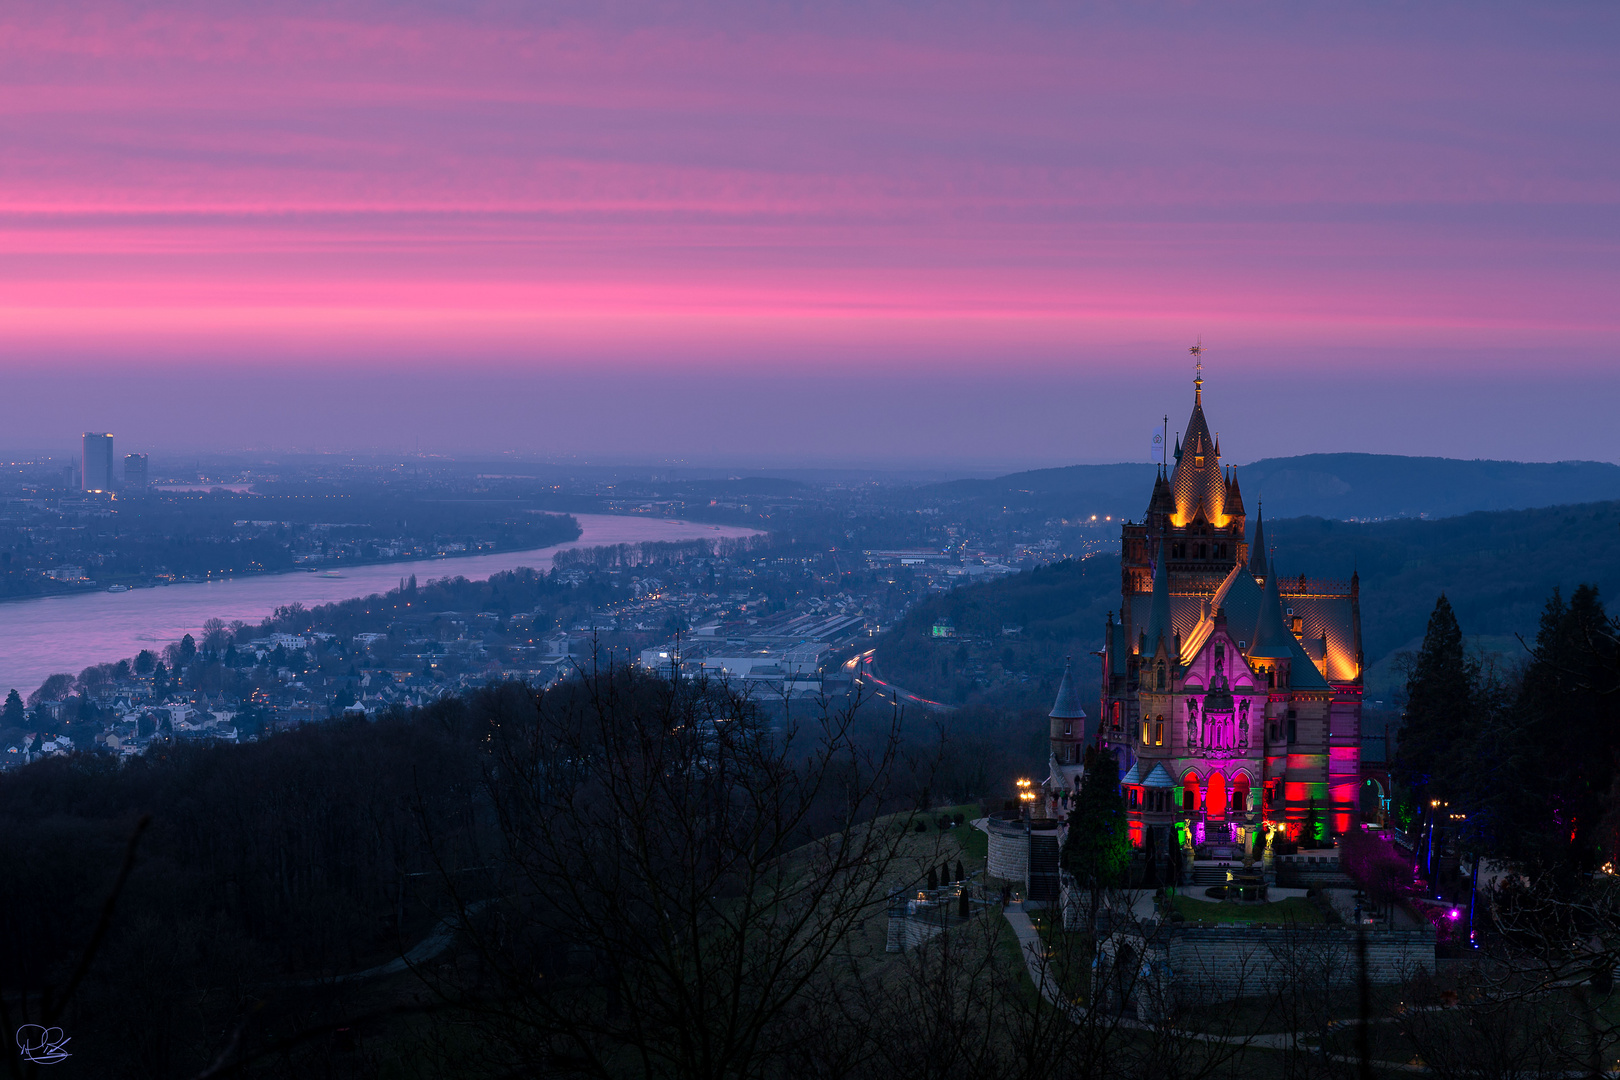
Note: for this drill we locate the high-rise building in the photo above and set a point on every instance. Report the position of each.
(134, 472)
(98, 461)
(1231, 694)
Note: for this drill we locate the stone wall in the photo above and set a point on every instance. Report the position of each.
(1009, 850)
(1159, 965)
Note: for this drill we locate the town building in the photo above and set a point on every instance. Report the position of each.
(135, 473)
(1231, 694)
(98, 461)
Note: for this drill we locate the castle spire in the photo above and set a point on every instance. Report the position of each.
(1198, 382)
(1272, 641)
(1257, 550)
(1067, 705)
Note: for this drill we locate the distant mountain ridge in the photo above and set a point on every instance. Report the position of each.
(1340, 486)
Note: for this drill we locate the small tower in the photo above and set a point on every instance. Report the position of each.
(1068, 764)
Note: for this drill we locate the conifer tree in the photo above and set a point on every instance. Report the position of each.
(1547, 789)
(1438, 724)
(14, 714)
(1097, 850)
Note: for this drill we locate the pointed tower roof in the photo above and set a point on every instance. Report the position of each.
(1158, 623)
(1197, 482)
(1133, 776)
(1272, 641)
(1067, 706)
(1234, 495)
(1163, 501)
(1257, 550)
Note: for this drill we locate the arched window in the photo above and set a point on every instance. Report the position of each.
(1146, 734)
(1215, 795)
(1189, 793)
(1240, 794)
(1158, 731)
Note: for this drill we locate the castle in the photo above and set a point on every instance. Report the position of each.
(1231, 696)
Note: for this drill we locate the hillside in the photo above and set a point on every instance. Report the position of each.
(1343, 486)
(1498, 570)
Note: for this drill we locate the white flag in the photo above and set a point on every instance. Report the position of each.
(1158, 445)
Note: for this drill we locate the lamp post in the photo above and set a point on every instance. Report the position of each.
(1026, 796)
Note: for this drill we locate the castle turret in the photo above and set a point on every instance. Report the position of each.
(1257, 550)
(1272, 641)
(1068, 746)
(1068, 721)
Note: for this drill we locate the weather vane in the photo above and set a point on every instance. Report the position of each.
(1198, 354)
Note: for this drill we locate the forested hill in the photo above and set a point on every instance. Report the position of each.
(1498, 569)
(1345, 486)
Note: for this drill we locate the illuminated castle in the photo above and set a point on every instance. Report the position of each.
(1231, 695)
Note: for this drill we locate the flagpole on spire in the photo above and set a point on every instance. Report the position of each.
(1198, 381)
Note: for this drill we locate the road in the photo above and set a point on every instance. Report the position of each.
(860, 668)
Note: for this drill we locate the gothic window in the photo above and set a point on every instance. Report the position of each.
(1068, 727)
(1145, 731)
(1116, 716)
(1158, 731)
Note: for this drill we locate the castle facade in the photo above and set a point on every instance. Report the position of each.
(1231, 694)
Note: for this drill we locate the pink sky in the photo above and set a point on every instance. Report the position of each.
(866, 232)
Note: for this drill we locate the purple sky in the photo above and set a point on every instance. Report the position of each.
(812, 233)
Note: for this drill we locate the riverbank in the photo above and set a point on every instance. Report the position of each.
(42, 635)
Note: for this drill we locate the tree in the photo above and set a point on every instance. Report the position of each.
(14, 714)
(54, 688)
(1544, 790)
(1439, 721)
(1097, 851)
(683, 878)
(188, 650)
(145, 661)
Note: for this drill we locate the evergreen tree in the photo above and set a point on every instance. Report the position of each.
(933, 879)
(1439, 721)
(13, 714)
(959, 875)
(1097, 850)
(1547, 777)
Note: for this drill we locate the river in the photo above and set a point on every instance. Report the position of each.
(69, 633)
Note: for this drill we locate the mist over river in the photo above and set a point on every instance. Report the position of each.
(69, 633)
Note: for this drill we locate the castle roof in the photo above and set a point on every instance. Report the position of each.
(1133, 775)
(1197, 483)
(1158, 778)
(1067, 706)
(1271, 640)
(1325, 614)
